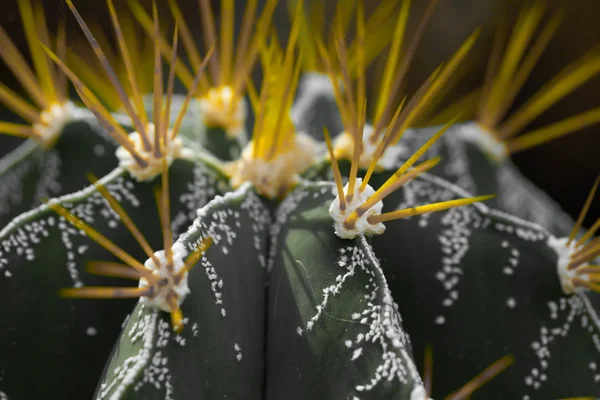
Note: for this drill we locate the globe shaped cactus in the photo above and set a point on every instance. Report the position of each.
(307, 237)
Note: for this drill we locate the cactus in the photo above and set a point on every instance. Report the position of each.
(267, 263)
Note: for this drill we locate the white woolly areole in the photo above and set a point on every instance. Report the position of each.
(53, 121)
(154, 167)
(218, 110)
(159, 300)
(564, 252)
(478, 135)
(362, 226)
(419, 393)
(273, 178)
(344, 148)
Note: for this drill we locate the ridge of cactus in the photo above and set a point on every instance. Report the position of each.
(342, 317)
(91, 326)
(451, 260)
(222, 314)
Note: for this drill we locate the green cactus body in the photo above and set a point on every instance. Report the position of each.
(222, 347)
(315, 106)
(41, 254)
(488, 286)
(30, 172)
(262, 267)
(330, 309)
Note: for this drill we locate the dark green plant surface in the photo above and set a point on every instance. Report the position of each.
(477, 284)
(315, 107)
(31, 173)
(217, 142)
(220, 353)
(41, 253)
(333, 329)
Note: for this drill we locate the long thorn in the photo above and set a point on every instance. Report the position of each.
(19, 106)
(553, 131)
(112, 76)
(191, 92)
(19, 130)
(19, 67)
(114, 270)
(40, 62)
(95, 106)
(170, 88)
(210, 37)
(589, 233)
(128, 62)
(193, 258)
(428, 369)
(104, 292)
(127, 221)
(585, 284)
(100, 239)
(441, 206)
(176, 314)
(336, 170)
(406, 61)
(395, 182)
(158, 86)
(584, 211)
(484, 377)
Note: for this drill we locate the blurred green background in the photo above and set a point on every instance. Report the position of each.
(565, 169)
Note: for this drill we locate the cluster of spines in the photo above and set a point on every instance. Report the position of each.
(46, 86)
(506, 75)
(229, 70)
(134, 269)
(379, 25)
(388, 123)
(274, 130)
(352, 104)
(157, 144)
(587, 249)
(403, 175)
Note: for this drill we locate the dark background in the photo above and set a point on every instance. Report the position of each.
(565, 169)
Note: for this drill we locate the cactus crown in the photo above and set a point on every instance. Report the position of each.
(276, 152)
